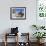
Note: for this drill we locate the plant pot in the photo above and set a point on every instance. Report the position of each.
(40, 41)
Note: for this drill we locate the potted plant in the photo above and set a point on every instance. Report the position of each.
(42, 27)
(38, 27)
(39, 35)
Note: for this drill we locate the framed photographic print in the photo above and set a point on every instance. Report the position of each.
(18, 13)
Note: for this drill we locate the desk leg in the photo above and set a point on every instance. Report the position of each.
(17, 40)
(5, 40)
(5, 43)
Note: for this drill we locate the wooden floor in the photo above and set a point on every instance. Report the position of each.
(13, 44)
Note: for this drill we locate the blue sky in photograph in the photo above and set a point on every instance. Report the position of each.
(19, 10)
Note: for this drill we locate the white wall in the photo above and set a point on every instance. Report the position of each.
(24, 25)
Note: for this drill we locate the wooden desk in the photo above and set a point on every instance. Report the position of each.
(8, 34)
(17, 43)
